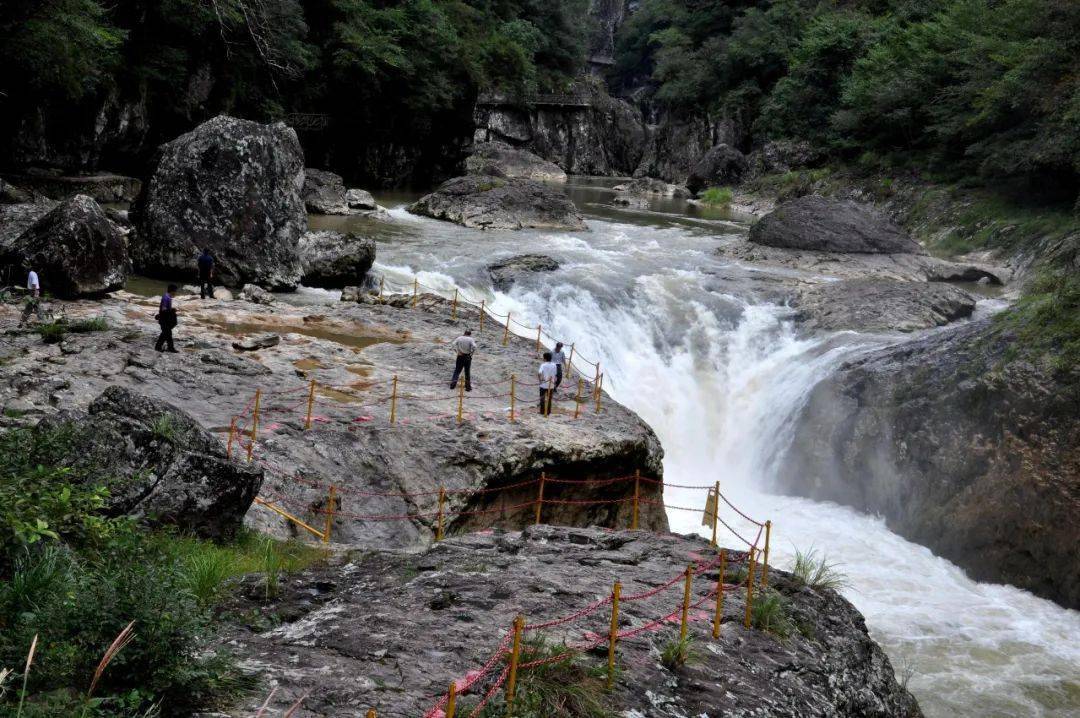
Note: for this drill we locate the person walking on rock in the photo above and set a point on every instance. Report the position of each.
(206, 274)
(33, 302)
(558, 358)
(166, 318)
(465, 346)
(547, 375)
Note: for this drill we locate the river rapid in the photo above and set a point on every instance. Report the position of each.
(704, 350)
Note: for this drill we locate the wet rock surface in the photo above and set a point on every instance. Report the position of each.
(487, 202)
(360, 199)
(159, 464)
(324, 192)
(102, 187)
(75, 249)
(233, 186)
(335, 259)
(880, 305)
(829, 225)
(652, 187)
(501, 160)
(960, 449)
(506, 271)
(391, 631)
(17, 218)
(353, 351)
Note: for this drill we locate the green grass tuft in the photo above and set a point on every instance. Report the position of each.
(717, 196)
(678, 652)
(1046, 320)
(770, 613)
(816, 572)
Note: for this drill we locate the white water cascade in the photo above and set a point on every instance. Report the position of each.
(701, 350)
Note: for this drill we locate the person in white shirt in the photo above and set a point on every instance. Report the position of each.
(33, 302)
(558, 358)
(547, 374)
(465, 346)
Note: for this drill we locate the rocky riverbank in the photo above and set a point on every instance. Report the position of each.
(442, 613)
(353, 351)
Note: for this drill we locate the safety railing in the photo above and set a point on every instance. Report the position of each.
(411, 292)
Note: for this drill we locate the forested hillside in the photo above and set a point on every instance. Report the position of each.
(400, 75)
(955, 87)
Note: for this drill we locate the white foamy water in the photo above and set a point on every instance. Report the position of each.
(700, 349)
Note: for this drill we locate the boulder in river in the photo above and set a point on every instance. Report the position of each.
(487, 202)
(324, 192)
(652, 187)
(506, 271)
(722, 165)
(360, 199)
(159, 464)
(881, 305)
(832, 225)
(501, 160)
(75, 249)
(961, 447)
(335, 259)
(455, 601)
(233, 186)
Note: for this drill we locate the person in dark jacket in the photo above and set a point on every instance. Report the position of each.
(166, 318)
(206, 274)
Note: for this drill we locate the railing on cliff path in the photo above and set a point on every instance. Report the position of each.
(509, 651)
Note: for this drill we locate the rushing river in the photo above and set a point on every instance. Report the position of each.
(702, 349)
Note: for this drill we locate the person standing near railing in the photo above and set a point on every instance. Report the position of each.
(547, 374)
(558, 358)
(465, 346)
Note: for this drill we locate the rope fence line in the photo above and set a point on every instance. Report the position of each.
(413, 292)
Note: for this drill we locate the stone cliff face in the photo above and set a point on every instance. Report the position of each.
(440, 615)
(962, 449)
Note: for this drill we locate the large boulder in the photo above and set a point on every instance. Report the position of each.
(360, 199)
(335, 259)
(502, 160)
(488, 202)
(506, 271)
(652, 187)
(17, 218)
(159, 464)
(960, 446)
(881, 305)
(233, 186)
(832, 225)
(721, 165)
(75, 249)
(324, 192)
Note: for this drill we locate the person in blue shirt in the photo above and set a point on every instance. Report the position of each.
(206, 274)
(166, 318)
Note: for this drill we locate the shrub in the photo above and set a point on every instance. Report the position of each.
(677, 652)
(1047, 319)
(52, 333)
(770, 613)
(717, 196)
(80, 326)
(815, 571)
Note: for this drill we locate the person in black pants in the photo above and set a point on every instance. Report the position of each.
(546, 375)
(166, 318)
(206, 274)
(465, 346)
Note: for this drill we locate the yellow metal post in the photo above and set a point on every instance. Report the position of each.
(460, 402)
(439, 524)
(596, 381)
(599, 393)
(637, 494)
(506, 332)
(232, 437)
(686, 603)
(716, 512)
(577, 399)
(540, 498)
(749, 590)
(515, 656)
(415, 291)
(393, 401)
(538, 345)
(482, 312)
(371, 713)
(454, 307)
(310, 404)
(451, 701)
(329, 515)
(613, 635)
(513, 392)
(570, 361)
(765, 557)
(719, 595)
(254, 423)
